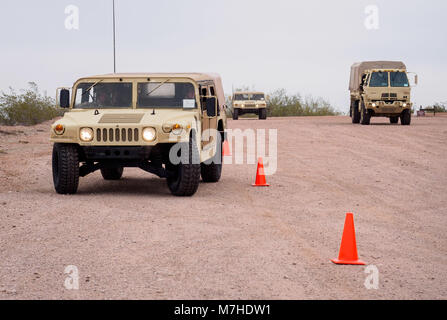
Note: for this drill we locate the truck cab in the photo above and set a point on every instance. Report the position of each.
(380, 92)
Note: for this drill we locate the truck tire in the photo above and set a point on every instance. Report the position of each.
(212, 172)
(365, 117)
(355, 113)
(112, 173)
(405, 118)
(185, 179)
(65, 168)
(394, 120)
(262, 114)
(235, 114)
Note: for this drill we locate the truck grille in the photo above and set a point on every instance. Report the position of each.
(117, 135)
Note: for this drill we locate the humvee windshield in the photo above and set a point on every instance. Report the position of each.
(103, 95)
(245, 97)
(166, 95)
(399, 79)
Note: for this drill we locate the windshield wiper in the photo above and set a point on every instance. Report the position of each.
(158, 87)
(88, 90)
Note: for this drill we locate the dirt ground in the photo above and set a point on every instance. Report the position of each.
(132, 240)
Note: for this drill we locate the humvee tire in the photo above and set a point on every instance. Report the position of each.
(235, 114)
(186, 177)
(365, 117)
(262, 114)
(212, 172)
(405, 118)
(65, 168)
(394, 120)
(355, 113)
(112, 173)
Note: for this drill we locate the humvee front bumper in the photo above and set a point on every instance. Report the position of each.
(117, 153)
(385, 107)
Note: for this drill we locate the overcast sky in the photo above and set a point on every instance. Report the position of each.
(306, 47)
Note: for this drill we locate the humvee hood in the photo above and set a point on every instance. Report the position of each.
(129, 117)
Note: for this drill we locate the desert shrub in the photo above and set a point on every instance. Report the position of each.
(29, 107)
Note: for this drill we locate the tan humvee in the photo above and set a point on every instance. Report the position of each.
(380, 89)
(249, 102)
(171, 125)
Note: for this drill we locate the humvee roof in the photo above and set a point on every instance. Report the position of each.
(197, 77)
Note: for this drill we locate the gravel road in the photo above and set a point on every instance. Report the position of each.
(132, 240)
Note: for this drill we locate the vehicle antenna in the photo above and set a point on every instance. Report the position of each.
(114, 39)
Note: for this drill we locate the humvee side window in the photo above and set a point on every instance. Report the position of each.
(103, 95)
(379, 79)
(166, 95)
(399, 79)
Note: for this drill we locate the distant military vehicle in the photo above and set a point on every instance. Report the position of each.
(135, 120)
(380, 89)
(249, 102)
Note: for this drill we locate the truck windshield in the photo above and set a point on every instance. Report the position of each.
(103, 95)
(379, 79)
(166, 95)
(399, 79)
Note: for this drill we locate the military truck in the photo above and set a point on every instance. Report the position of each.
(168, 124)
(380, 89)
(249, 102)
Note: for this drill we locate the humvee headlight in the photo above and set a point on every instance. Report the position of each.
(177, 129)
(59, 129)
(243, 105)
(149, 134)
(404, 105)
(374, 105)
(86, 134)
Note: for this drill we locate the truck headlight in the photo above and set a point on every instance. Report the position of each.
(149, 134)
(374, 105)
(404, 105)
(86, 134)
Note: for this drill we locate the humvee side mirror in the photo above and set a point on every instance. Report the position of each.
(211, 107)
(64, 98)
(416, 79)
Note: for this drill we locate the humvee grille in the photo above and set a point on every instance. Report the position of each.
(121, 118)
(117, 135)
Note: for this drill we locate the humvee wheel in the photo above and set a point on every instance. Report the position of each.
(394, 120)
(235, 114)
(405, 118)
(212, 172)
(365, 117)
(65, 168)
(355, 113)
(262, 114)
(112, 173)
(185, 178)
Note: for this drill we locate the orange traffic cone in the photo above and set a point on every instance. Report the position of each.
(260, 175)
(348, 251)
(226, 151)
